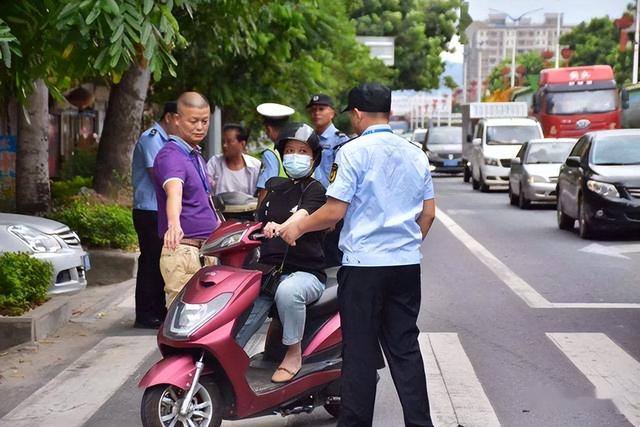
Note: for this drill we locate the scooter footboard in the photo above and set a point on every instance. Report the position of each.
(176, 370)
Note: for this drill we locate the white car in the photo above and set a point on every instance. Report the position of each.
(51, 241)
(496, 142)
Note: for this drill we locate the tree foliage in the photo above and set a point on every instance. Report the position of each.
(423, 29)
(532, 62)
(274, 51)
(597, 42)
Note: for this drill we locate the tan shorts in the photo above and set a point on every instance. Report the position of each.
(178, 266)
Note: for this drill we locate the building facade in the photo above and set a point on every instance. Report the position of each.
(494, 39)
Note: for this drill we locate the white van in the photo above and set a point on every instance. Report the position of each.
(496, 141)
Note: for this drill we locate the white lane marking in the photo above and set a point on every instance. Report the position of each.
(615, 251)
(613, 372)
(455, 393)
(72, 397)
(521, 288)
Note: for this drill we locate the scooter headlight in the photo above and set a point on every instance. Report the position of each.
(224, 242)
(184, 319)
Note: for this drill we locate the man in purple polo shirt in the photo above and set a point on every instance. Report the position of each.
(185, 215)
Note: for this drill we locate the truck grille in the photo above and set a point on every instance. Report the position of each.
(634, 192)
(69, 237)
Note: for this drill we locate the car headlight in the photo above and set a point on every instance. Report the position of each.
(536, 179)
(37, 241)
(184, 319)
(603, 188)
(224, 242)
(491, 162)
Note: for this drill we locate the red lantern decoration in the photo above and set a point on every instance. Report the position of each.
(566, 53)
(547, 54)
(505, 71)
(522, 70)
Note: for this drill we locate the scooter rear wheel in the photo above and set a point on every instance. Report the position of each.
(161, 406)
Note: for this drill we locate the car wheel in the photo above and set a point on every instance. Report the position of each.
(565, 222)
(523, 202)
(483, 186)
(585, 230)
(513, 199)
(466, 174)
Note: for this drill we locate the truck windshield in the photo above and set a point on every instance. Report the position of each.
(513, 135)
(616, 150)
(583, 102)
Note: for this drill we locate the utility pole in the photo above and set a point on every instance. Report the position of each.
(636, 41)
(558, 41)
(479, 87)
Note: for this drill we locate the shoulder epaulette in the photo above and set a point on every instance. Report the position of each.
(153, 132)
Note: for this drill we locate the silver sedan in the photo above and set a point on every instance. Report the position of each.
(51, 241)
(534, 171)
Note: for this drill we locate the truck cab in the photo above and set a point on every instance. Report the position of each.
(495, 142)
(574, 100)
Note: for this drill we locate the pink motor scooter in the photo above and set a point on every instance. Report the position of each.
(205, 376)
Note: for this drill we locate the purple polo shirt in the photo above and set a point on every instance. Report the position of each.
(178, 160)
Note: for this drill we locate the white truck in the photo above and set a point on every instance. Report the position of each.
(492, 133)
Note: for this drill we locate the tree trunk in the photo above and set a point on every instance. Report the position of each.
(121, 130)
(33, 194)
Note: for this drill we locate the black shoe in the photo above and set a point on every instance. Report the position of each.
(153, 323)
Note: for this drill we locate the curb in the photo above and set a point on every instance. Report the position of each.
(36, 324)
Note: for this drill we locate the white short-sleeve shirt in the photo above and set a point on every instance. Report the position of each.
(385, 179)
(224, 179)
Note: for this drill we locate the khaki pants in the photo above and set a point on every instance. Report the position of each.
(178, 266)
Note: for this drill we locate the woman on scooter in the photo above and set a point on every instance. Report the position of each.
(289, 200)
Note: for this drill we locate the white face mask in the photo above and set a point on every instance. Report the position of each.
(297, 165)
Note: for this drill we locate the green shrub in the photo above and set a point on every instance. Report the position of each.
(24, 282)
(63, 191)
(98, 223)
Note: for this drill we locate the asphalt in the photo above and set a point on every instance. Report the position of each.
(527, 379)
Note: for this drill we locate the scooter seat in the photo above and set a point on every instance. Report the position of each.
(328, 301)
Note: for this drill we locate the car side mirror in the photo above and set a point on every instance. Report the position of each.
(516, 161)
(573, 161)
(477, 142)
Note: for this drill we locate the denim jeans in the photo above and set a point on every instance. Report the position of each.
(295, 291)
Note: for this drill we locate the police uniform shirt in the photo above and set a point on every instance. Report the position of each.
(330, 138)
(270, 168)
(385, 180)
(144, 153)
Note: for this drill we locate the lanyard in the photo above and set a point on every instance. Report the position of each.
(369, 132)
(195, 158)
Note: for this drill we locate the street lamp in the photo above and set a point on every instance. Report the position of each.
(516, 21)
(636, 42)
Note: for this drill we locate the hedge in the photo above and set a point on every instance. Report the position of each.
(24, 282)
(98, 223)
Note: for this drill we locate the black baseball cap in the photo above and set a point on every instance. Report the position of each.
(321, 99)
(170, 107)
(370, 97)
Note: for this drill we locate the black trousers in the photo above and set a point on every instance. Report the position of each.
(380, 306)
(150, 300)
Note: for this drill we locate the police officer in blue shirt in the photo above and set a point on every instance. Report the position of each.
(275, 117)
(150, 299)
(321, 111)
(381, 186)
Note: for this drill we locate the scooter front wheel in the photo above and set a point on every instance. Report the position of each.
(161, 407)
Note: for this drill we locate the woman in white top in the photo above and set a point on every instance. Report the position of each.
(233, 170)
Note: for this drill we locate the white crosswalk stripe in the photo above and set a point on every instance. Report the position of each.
(456, 394)
(73, 396)
(613, 372)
